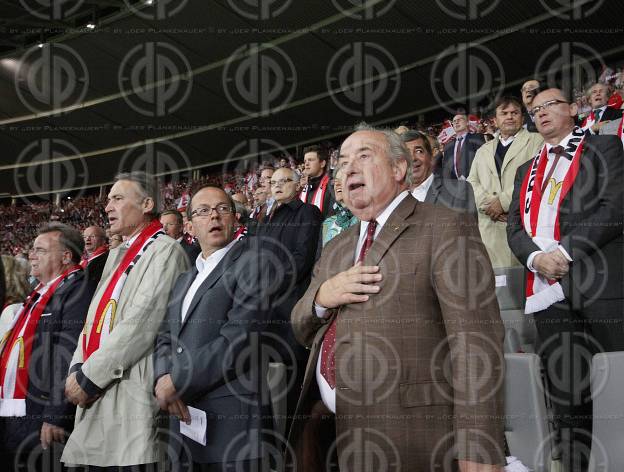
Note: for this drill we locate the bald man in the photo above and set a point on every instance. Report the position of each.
(95, 253)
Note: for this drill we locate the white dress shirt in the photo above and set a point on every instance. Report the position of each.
(420, 192)
(204, 269)
(550, 157)
(328, 394)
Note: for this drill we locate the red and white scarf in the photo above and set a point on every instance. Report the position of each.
(319, 194)
(98, 252)
(540, 214)
(619, 131)
(16, 347)
(104, 319)
(588, 121)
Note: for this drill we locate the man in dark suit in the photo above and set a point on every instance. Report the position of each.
(601, 114)
(398, 333)
(33, 408)
(216, 310)
(459, 153)
(291, 235)
(565, 225)
(173, 225)
(427, 186)
(96, 253)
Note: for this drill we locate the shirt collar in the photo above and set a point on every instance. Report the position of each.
(213, 259)
(507, 141)
(384, 215)
(425, 184)
(602, 109)
(563, 142)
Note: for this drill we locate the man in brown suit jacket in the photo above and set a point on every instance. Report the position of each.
(415, 382)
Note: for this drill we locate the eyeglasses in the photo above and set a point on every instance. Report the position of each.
(280, 182)
(223, 209)
(545, 106)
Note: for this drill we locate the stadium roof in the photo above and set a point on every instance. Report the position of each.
(177, 85)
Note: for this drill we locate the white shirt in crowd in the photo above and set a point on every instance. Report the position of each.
(420, 192)
(204, 269)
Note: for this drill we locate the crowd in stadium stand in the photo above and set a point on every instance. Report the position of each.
(231, 227)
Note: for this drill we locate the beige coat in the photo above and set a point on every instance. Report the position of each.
(119, 429)
(486, 184)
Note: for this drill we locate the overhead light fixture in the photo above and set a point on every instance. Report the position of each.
(149, 2)
(40, 45)
(90, 25)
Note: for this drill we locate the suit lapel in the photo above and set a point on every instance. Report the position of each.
(434, 190)
(391, 230)
(212, 279)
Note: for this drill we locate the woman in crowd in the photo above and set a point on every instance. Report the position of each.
(17, 289)
(342, 219)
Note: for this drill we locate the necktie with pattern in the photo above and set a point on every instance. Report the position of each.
(328, 347)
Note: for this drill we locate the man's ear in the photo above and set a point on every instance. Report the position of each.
(573, 109)
(400, 170)
(323, 163)
(148, 205)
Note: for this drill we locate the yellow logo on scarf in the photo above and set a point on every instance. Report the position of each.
(112, 306)
(554, 190)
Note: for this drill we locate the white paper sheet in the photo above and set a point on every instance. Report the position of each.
(197, 429)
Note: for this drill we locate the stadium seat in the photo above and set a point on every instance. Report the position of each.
(527, 428)
(510, 295)
(607, 385)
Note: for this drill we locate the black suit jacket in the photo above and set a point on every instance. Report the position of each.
(610, 114)
(53, 346)
(529, 123)
(289, 240)
(472, 142)
(453, 194)
(95, 268)
(192, 250)
(591, 223)
(215, 355)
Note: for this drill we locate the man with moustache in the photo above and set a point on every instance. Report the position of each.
(33, 353)
(96, 253)
(215, 312)
(111, 377)
(385, 312)
(565, 225)
(492, 177)
(429, 187)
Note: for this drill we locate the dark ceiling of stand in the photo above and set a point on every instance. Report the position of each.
(239, 82)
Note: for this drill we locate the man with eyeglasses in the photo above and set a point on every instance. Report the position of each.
(291, 235)
(458, 154)
(96, 253)
(33, 353)
(565, 225)
(205, 359)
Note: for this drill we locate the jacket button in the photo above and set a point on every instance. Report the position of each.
(179, 350)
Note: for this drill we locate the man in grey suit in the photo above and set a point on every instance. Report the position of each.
(429, 187)
(206, 351)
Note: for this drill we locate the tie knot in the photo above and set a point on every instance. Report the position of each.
(557, 150)
(597, 110)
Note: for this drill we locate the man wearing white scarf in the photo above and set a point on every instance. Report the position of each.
(565, 225)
